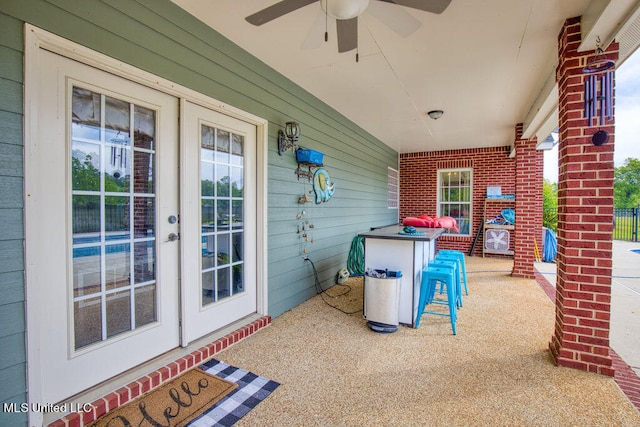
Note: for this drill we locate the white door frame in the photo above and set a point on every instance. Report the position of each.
(36, 39)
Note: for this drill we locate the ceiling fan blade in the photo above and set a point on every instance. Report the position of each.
(277, 10)
(396, 18)
(347, 34)
(433, 6)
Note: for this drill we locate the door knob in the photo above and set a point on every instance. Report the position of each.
(173, 237)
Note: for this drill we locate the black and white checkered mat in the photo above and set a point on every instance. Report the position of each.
(252, 389)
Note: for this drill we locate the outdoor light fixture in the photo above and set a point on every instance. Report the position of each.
(288, 139)
(435, 114)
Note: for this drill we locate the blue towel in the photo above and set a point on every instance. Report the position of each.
(550, 246)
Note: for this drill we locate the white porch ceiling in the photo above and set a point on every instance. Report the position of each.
(488, 64)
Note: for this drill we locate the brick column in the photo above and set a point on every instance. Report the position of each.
(585, 220)
(529, 166)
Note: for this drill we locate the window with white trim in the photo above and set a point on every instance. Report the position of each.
(455, 197)
(393, 188)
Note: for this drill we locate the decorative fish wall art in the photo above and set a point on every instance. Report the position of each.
(322, 186)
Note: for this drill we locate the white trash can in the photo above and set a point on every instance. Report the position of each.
(381, 301)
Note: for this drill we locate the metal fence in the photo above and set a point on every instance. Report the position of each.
(626, 222)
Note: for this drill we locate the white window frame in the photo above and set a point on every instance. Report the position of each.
(393, 190)
(439, 203)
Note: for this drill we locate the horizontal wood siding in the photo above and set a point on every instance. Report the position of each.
(13, 386)
(161, 38)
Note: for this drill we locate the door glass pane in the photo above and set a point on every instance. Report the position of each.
(144, 127)
(117, 172)
(207, 178)
(113, 216)
(87, 270)
(238, 247)
(237, 183)
(222, 209)
(117, 122)
(143, 172)
(208, 287)
(117, 265)
(223, 285)
(237, 150)
(237, 213)
(223, 214)
(222, 146)
(144, 270)
(145, 305)
(223, 252)
(119, 305)
(144, 217)
(85, 160)
(87, 316)
(238, 278)
(116, 215)
(222, 181)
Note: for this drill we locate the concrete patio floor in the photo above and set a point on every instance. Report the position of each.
(625, 300)
(496, 371)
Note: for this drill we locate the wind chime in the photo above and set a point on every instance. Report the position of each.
(598, 92)
(118, 156)
(305, 227)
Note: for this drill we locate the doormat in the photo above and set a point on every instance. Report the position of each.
(173, 404)
(252, 389)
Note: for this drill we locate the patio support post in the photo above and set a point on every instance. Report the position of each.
(585, 219)
(529, 167)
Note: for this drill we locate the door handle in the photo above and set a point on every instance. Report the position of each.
(173, 237)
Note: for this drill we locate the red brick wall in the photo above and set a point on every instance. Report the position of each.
(585, 220)
(418, 185)
(528, 204)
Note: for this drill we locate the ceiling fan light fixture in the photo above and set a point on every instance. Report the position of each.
(344, 9)
(435, 114)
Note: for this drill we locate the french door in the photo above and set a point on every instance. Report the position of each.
(102, 178)
(140, 227)
(219, 211)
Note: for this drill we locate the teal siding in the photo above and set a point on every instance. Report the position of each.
(13, 386)
(158, 37)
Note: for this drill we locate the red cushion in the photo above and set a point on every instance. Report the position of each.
(419, 222)
(427, 221)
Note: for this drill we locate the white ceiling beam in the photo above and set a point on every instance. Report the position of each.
(544, 108)
(604, 19)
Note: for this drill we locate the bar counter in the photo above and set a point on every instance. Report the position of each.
(386, 248)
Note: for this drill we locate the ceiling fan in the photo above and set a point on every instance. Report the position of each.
(345, 12)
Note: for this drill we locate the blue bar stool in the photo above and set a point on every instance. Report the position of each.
(449, 262)
(431, 275)
(463, 268)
